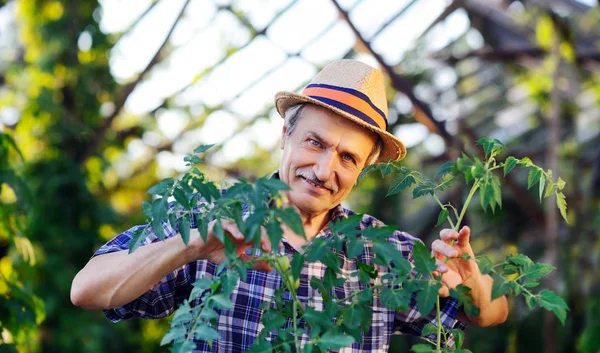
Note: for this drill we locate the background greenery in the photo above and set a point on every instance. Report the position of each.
(70, 183)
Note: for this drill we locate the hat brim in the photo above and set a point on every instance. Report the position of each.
(392, 149)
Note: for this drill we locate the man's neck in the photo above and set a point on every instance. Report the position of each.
(312, 225)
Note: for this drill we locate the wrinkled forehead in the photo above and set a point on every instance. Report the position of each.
(331, 126)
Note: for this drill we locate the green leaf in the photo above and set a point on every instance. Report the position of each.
(208, 190)
(462, 293)
(366, 170)
(530, 284)
(400, 183)
(463, 163)
(176, 333)
(459, 337)
(368, 269)
(428, 329)
(388, 253)
(333, 339)
(423, 348)
(551, 189)
(542, 185)
(161, 187)
(499, 287)
(531, 300)
(560, 184)
(184, 229)
(272, 319)
(316, 250)
(206, 333)
(427, 297)
(386, 169)
(442, 217)
(509, 164)
(397, 299)
(182, 317)
(202, 148)
(297, 265)
(147, 208)
(354, 248)
(519, 260)
(261, 346)
(352, 315)
(444, 169)
(422, 190)
(192, 159)
(539, 270)
(534, 176)
(486, 195)
(562, 205)
(221, 301)
(487, 145)
(424, 262)
(292, 220)
(274, 232)
(275, 184)
(552, 302)
(183, 347)
(495, 184)
(138, 237)
(229, 281)
(484, 264)
(159, 213)
(526, 162)
(181, 198)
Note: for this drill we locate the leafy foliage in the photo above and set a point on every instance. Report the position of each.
(351, 314)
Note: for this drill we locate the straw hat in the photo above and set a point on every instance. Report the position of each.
(355, 91)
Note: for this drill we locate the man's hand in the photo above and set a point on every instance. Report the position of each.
(214, 250)
(448, 252)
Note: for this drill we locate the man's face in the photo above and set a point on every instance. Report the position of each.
(322, 158)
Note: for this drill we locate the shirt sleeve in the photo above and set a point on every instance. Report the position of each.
(162, 299)
(411, 322)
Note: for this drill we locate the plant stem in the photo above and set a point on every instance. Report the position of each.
(289, 285)
(439, 328)
(442, 206)
(295, 319)
(354, 294)
(466, 205)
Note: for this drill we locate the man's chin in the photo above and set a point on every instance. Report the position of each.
(308, 203)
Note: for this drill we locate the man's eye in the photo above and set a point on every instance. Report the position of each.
(314, 142)
(348, 158)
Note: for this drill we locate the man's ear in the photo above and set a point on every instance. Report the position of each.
(283, 136)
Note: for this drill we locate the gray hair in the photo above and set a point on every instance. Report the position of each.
(292, 116)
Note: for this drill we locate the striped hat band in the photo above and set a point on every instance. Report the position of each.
(350, 101)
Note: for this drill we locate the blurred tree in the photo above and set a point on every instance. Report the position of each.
(85, 185)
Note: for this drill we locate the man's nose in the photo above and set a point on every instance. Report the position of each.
(325, 166)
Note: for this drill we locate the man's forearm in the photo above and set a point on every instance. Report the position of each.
(115, 279)
(492, 312)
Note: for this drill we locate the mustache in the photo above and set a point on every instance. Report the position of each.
(309, 175)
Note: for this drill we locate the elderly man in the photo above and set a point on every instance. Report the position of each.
(332, 130)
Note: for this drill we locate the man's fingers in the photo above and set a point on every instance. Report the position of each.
(451, 279)
(265, 243)
(232, 229)
(448, 234)
(464, 236)
(441, 266)
(438, 246)
(258, 265)
(444, 291)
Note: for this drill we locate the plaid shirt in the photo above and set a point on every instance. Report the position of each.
(239, 327)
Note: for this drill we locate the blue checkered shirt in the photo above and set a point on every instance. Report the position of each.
(240, 326)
